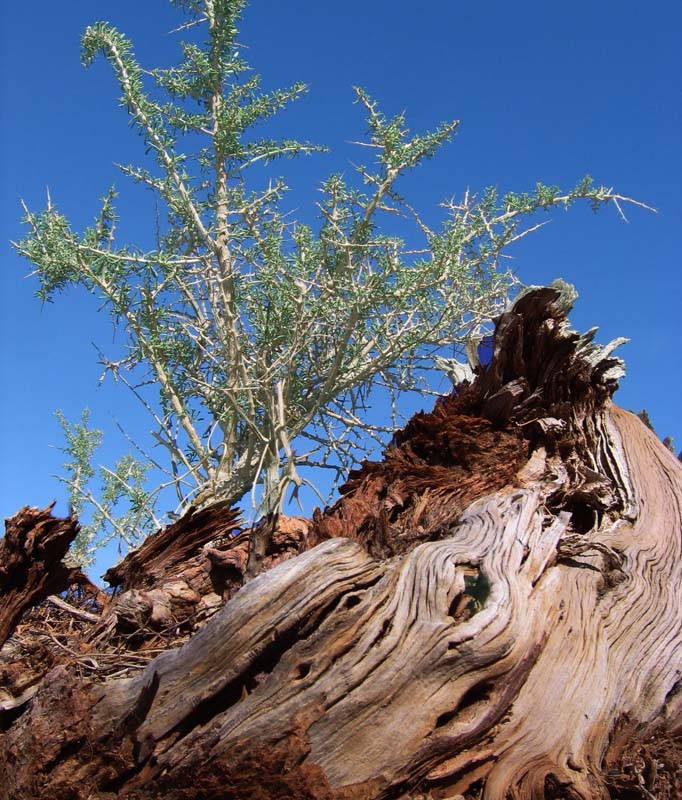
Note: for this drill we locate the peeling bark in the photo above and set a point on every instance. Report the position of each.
(31, 566)
(494, 610)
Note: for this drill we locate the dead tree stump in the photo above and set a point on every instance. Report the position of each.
(494, 610)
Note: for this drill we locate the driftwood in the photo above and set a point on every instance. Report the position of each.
(494, 610)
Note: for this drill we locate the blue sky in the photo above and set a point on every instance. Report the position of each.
(544, 91)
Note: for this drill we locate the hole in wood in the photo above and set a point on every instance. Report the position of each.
(478, 693)
(303, 670)
(583, 518)
(443, 719)
(478, 588)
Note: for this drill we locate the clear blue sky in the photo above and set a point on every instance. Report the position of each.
(544, 91)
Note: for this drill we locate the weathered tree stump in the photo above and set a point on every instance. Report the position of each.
(494, 610)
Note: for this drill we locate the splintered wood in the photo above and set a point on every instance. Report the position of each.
(31, 566)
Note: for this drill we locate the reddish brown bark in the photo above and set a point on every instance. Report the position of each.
(165, 554)
(31, 566)
(440, 463)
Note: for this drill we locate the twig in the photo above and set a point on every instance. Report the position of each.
(75, 612)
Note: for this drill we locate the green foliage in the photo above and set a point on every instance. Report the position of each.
(646, 419)
(121, 505)
(81, 444)
(668, 441)
(264, 336)
(477, 586)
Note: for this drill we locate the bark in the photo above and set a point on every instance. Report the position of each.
(31, 566)
(494, 610)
